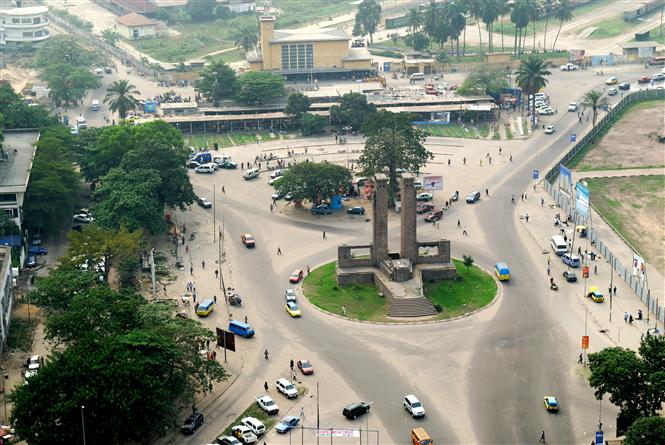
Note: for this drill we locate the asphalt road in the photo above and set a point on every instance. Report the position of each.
(482, 378)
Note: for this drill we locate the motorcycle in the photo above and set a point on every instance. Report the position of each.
(192, 236)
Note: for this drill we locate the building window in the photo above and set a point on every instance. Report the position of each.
(298, 56)
(7, 197)
(38, 33)
(13, 213)
(28, 34)
(36, 20)
(285, 57)
(16, 20)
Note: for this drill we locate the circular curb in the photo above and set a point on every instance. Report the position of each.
(411, 323)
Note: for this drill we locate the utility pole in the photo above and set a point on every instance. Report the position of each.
(214, 209)
(318, 418)
(83, 424)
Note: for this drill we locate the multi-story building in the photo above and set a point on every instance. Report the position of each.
(16, 157)
(305, 53)
(23, 25)
(6, 293)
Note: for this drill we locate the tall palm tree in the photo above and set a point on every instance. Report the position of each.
(520, 17)
(534, 15)
(415, 20)
(594, 99)
(431, 20)
(548, 7)
(562, 12)
(245, 37)
(531, 78)
(505, 9)
(491, 9)
(119, 96)
(457, 20)
(476, 11)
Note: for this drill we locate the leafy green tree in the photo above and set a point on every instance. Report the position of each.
(457, 22)
(468, 261)
(314, 181)
(312, 124)
(201, 10)
(217, 81)
(246, 37)
(68, 50)
(69, 83)
(415, 20)
(636, 384)
(55, 291)
(646, 431)
(120, 97)
(17, 114)
(90, 246)
(7, 225)
(105, 151)
(110, 36)
(594, 100)
(368, 17)
(130, 199)
(297, 104)
(531, 78)
(392, 143)
(352, 111)
(563, 12)
(418, 41)
(255, 87)
(484, 80)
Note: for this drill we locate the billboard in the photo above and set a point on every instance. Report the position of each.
(639, 268)
(582, 199)
(433, 183)
(565, 173)
(150, 106)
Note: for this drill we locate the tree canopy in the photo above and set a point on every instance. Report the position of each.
(314, 181)
(368, 17)
(484, 80)
(120, 97)
(635, 383)
(17, 113)
(201, 10)
(531, 78)
(646, 431)
(312, 124)
(217, 81)
(255, 87)
(297, 104)
(352, 111)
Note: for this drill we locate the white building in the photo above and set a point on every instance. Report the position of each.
(6, 293)
(16, 157)
(23, 25)
(135, 26)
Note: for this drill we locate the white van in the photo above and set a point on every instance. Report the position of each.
(558, 245)
(220, 159)
(95, 105)
(251, 173)
(206, 168)
(417, 76)
(81, 122)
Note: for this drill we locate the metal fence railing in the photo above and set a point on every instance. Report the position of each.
(564, 201)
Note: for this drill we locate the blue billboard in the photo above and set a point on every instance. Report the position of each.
(582, 199)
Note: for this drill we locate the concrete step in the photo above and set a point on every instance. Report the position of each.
(411, 307)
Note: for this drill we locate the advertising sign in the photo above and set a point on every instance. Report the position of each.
(565, 173)
(535, 174)
(386, 67)
(585, 342)
(599, 438)
(150, 106)
(433, 183)
(639, 268)
(334, 432)
(582, 199)
(226, 339)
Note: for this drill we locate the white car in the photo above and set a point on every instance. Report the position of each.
(267, 404)
(541, 103)
(244, 434)
(549, 129)
(568, 67)
(255, 425)
(612, 92)
(290, 295)
(272, 181)
(83, 218)
(546, 111)
(658, 77)
(572, 106)
(413, 406)
(287, 388)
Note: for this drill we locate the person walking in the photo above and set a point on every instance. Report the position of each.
(324, 234)
(279, 250)
(216, 273)
(459, 224)
(595, 269)
(625, 316)
(245, 319)
(549, 260)
(579, 360)
(526, 217)
(487, 192)
(265, 386)
(548, 269)
(203, 264)
(615, 291)
(464, 232)
(542, 202)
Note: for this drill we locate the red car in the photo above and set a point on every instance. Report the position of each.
(296, 276)
(424, 207)
(644, 79)
(247, 240)
(305, 367)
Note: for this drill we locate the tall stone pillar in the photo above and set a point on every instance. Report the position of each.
(380, 221)
(408, 220)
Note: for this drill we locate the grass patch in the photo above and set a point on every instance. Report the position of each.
(576, 162)
(496, 136)
(655, 35)
(361, 301)
(254, 411)
(484, 130)
(294, 14)
(251, 138)
(21, 334)
(385, 53)
(609, 28)
(452, 131)
(474, 290)
(205, 140)
(509, 133)
(72, 18)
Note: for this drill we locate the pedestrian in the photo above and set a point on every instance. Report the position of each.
(203, 264)
(464, 232)
(265, 386)
(481, 162)
(490, 160)
(525, 197)
(308, 269)
(187, 249)
(464, 161)
(291, 364)
(279, 250)
(487, 192)
(245, 319)
(196, 307)
(615, 291)
(216, 273)
(223, 189)
(511, 158)
(630, 319)
(625, 316)
(526, 217)
(324, 234)
(499, 151)
(214, 298)
(459, 224)
(580, 359)
(548, 269)
(194, 296)
(595, 269)
(191, 270)
(448, 162)
(270, 208)
(522, 197)
(242, 166)
(542, 202)
(549, 260)
(579, 251)
(164, 287)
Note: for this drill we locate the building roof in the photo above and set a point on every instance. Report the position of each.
(134, 19)
(27, 10)
(139, 6)
(309, 35)
(15, 168)
(647, 44)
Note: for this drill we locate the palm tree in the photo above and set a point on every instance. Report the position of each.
(491, 9)
(505, 9)
(531, 79)
(562, 12)
(547, 11)
(468, 261)
(520, 17)
(476, 10)
(119, 96)
(245, 37)
(534, 15)
(415, 20)
(594, 99)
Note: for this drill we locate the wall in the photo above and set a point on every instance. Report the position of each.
(6, 294)
(358, 64)
(442, 256)
(355, 277)
(345, 259)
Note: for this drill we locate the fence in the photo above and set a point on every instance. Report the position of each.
(564, 201)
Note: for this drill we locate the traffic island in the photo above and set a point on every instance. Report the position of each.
(471, 290)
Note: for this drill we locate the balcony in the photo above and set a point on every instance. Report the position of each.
(9, 25)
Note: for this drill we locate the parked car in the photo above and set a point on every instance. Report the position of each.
(286, 424)
(247, 239)
(273, 181)
(658, 77)
(570, 276)
(305, 367)
(413, 406)
(203, 202)
(37, 250)
(244, 434)
(612, 92)
(568, 67)
(424, 207)
(354, 410)
(570, 260)
(473, 197)
(549, 129)
(434, 216)
(321, 210)
(356, 210)
(290, 295)
(255, 425)
(31, 261)
(292, 309)
(287, 388)
(267, 404)
(644, 79)
(546, 111)
(210, 167)
(572, 106)
(296, 276)
(193, 422)
(83, 218)
(595, 294)
(624, 86)
(424, 196)
(228, 165)
(227, 440)
(193, 164)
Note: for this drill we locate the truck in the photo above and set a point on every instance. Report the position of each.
(267, 404)
(204, 157)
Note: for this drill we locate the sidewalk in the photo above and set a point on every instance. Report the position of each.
(540, 227)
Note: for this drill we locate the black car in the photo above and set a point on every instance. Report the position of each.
(624, 86)
(228, 165)
(473, 197)
(192, 423)
(570, 276)
(356, 210)
(354, 410)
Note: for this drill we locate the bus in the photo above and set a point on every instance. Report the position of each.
(205, 308)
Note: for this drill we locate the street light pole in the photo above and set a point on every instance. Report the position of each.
(83, 424)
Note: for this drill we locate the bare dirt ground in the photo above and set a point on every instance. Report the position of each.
(631, 142)
(634, 206)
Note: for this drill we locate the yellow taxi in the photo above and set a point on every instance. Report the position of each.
(595, 294)
(293, 309)
(502, 272)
